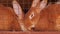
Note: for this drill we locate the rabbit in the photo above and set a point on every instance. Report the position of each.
(8, 19)
(43, 18)
(32, 16)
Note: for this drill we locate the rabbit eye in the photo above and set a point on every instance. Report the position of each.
(32, 15)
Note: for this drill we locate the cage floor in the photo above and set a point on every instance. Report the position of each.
(8, 32)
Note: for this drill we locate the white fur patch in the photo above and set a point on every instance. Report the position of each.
(30, 17)
(32, 26)
(22, 27)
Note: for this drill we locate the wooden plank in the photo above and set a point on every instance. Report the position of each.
(8, 32)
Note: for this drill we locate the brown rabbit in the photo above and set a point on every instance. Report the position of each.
(8, 19)
(47, 19)
(33, 15)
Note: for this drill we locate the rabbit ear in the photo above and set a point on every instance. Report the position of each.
(43, 4)
(17, 8)
(39, 4)
(35, 2)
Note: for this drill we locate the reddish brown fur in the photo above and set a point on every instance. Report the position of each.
(27, 20)
(48, 18)
(8, 19)
(36, 11)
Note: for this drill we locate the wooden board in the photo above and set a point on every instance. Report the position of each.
(8, 32)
